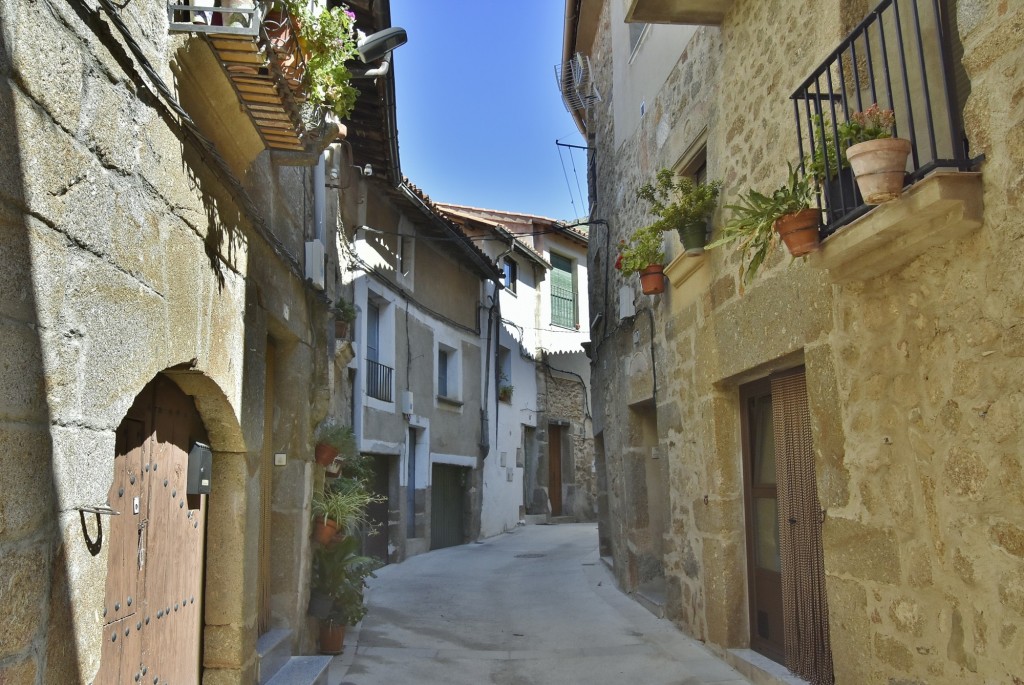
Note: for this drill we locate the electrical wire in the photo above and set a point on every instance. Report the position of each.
(568, 187)
(577, 175)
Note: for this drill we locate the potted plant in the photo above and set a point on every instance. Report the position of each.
(340, 509)
(682, 205)
(878, 159)
(327, 40)
(830, 168)
(333, 439)
(504, 388)
(757, 218)
(337, 591)
(643, 254)
(344, 315)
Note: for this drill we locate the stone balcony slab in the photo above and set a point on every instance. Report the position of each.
(943, 207)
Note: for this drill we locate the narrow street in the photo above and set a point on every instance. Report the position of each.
(532, 607)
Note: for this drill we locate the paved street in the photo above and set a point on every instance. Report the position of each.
(532, 607)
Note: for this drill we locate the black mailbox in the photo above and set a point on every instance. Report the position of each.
(200, 463)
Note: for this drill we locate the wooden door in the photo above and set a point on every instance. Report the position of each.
(447, 505)
(153, 595)
(555, 469)
(767, 621)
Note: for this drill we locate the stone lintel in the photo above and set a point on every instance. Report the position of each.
(942, 207)
(701, 12)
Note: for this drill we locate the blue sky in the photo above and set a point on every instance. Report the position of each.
(478, 107)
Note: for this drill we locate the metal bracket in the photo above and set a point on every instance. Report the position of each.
(100, 509)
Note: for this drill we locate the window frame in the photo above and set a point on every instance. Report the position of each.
(575, 315)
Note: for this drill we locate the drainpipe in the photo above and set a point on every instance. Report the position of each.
(485, 427)
(319, 198)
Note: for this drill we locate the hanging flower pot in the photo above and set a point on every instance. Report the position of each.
(694, 237)
(332, 637)
(799, 231)
(325, 530)
(880, 167)
(652, 279)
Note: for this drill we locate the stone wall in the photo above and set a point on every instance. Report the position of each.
(561, 398)
(123, 254)
(913, 378)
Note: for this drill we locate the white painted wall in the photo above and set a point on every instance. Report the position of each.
(637, 77)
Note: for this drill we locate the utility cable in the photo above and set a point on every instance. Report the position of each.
(568, 187)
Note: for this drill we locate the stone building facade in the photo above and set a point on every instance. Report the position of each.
(151, 247)
(908, 346)
(543, 442)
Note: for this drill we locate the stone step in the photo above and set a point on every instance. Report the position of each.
(651, 596)
(303, 670)
(273, 649)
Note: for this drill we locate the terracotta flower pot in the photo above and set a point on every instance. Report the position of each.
(880, 167)
(332, 637)
(340, 329)
(325, 531)
(652, 279)
(325, 454)
(800, 231)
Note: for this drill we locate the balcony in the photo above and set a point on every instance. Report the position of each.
(259, 53)
(901, 58)
(378, 380)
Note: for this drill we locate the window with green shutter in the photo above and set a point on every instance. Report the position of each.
(563, 292)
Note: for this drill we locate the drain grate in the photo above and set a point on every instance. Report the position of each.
(530, 555)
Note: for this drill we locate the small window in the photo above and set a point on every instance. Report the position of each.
(511, 275)
(636, 33)
(449, 383)
(442, 373)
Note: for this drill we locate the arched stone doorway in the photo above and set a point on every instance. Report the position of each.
(153, 603)
(178, 408)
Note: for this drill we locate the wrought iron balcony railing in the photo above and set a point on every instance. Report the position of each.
(378, 380)
(900, 57)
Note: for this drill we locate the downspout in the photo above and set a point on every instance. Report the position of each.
(485, 423)
(495, 319)
(320, 199)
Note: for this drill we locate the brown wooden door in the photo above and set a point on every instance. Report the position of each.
(153, 596)
(767, 622)
(555, 469)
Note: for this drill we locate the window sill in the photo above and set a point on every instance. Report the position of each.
(678, 11)
(449, 401)
(945, 206)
